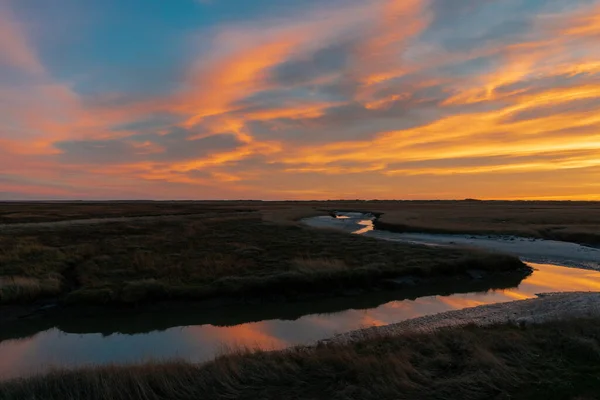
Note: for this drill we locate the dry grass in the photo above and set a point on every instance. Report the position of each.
(309, 265)
(32, 212)
(24, 212)
(218, 254)
(29, 270)
(569, 221)
(21, 288)
(290, 213)
(558, 360)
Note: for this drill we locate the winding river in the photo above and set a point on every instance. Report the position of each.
(528, 249)
(199, 334)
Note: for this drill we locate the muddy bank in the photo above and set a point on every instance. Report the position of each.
(528, 249)
(547, 307)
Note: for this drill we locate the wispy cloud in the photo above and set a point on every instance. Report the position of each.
(411, 98)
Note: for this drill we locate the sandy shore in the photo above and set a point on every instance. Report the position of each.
(548, 306)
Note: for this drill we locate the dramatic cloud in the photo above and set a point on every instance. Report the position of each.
(348, 99)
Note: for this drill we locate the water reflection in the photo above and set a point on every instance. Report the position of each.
(20, 357)
(144, 320)
(367, 226)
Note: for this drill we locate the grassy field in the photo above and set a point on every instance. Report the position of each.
(197, 250)
(570, 221)
(29, 212)
(224, 252)
(557, 360)
(577, 222)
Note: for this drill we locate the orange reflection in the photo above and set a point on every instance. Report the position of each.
(551, 278)
(368, 320)
(247, 335)
(516, 295)
(13, 352)
(461, 302)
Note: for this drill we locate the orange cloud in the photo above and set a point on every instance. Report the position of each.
(584, 23)
(398, 21)
(14, 47)
(488, 133)
(232, 78)
(400, 115)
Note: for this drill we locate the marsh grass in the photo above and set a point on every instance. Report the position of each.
(577, 222)
(216, 254)
(27, 212)
(560, 220)
(21, 288)
(308, 265)
(555, 360)
(18, 254)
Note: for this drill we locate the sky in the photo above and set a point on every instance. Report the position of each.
(299, 99)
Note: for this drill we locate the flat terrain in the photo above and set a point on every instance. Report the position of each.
(222, 251)
(553, 360)
(577, 222)
(127, 252)
(559, 220)
(29, 212)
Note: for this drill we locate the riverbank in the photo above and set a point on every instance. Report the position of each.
(547, 307)
(21, 322)
(541, 251)
(545, 358)
(529, 249)
(242, 255)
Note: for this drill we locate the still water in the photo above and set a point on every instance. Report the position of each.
(199, 335)
(72, 347)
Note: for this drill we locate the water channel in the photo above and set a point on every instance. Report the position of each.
(198, 334)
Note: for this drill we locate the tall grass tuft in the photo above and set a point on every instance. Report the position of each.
(21, 288)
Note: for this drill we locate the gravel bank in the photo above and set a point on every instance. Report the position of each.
(548, 306)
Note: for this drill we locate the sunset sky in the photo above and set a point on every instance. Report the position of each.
(299, 99)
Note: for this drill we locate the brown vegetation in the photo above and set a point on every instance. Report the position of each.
(568, 221)
(43, 212)
(561, 220)
(28, 212)
(20, 288)
(217, 253)
(556, 360)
